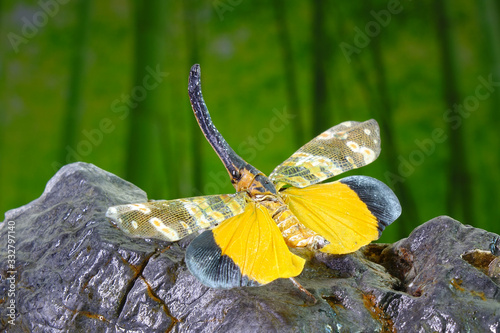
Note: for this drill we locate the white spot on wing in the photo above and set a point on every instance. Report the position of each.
(353, 146)
(325, 136)
(140, 207)
(168, 232)
(368, 154)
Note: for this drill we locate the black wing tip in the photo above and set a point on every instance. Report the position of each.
(378, 197)
(205, 261)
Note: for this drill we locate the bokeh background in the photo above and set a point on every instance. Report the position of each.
(105, 82)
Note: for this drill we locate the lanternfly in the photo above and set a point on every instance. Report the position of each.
(249, 233)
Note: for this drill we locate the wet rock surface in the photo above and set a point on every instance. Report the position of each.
(76, 272)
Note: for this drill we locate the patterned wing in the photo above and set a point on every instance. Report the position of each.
(344, 147)
(172, 220)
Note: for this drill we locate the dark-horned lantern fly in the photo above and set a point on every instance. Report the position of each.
(249, 233)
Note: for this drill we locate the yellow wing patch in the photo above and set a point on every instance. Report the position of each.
(172, 220)
(254, 243)
(335, 212)
(344, 147)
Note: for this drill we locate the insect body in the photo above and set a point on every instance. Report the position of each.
(250, 232)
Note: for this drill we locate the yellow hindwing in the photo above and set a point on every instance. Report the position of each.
(336, 212)
(255, 244)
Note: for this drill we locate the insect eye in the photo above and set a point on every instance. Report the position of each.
(235, 174)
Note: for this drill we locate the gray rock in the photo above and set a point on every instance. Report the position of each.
(76, 272)
(446, 272)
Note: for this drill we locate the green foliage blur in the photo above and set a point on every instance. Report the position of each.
(106, 83)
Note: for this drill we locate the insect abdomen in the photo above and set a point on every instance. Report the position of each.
(294, 232)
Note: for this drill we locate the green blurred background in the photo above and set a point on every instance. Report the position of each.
(105, 82)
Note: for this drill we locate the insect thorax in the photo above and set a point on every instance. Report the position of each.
(253, 182)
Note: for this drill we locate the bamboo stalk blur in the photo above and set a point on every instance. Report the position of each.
(74, 103)
(460, 198)
(384, 112)
(141, 163)
(190, 9)
(488, 14)
(290, 75)
(319, 105)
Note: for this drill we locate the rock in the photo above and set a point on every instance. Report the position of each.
(447, 282)
(76, 272)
